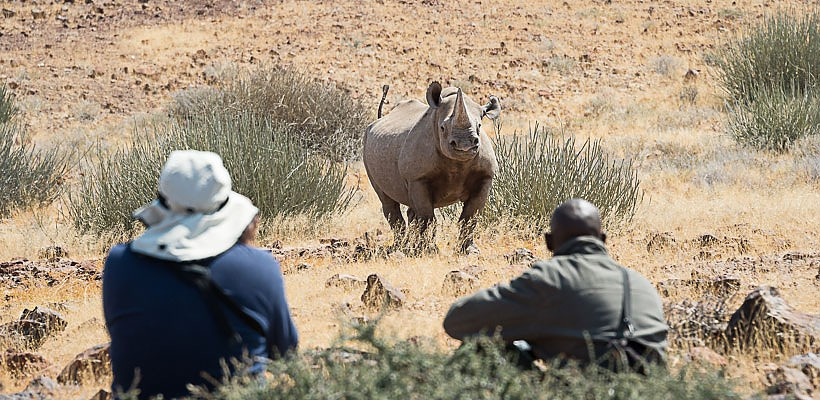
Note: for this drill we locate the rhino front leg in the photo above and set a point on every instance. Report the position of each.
(423, 218)
(467, 224)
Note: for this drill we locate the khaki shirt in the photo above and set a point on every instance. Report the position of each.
(556, 302)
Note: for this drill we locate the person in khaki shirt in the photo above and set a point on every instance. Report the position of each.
(559, 305)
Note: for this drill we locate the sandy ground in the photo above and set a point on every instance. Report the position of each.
(89, 73)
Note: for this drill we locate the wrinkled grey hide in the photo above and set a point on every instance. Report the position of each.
(431, 156)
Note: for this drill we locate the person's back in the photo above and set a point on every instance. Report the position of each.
(162, 326)
(189, 296)
(566, 306)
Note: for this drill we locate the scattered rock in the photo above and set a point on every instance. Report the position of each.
(41, 388)
(380, 294)
(53, 253)
(706, 356)
(346, 282)
(90, 364)
(38, 13)
(659, 241)
(722, 286)
(691, 75)
(764, 319)
(101, 395)
(475, 270)
(706, 240)
(791, 381)
(809, 364)
(8, 13)
(302, 267)
(20, 364)
(459, 283)
(520, 255)
(32, 329)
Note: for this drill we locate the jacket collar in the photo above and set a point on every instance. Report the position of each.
(582, 245)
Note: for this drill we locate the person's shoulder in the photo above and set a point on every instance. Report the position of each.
(248, 255)
(118, 251)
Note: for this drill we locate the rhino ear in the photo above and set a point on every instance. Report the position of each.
(491, 109)
(434, 94)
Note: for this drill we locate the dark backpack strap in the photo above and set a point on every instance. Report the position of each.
(200, 276)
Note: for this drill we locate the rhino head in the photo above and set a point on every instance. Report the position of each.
(458, 121)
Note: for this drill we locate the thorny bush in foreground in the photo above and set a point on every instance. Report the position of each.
(264, 158)
(403, 370)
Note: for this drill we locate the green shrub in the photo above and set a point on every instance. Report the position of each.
(7, 107)
(403, 370)
(771, 76)
(775, 120)
(30, 177)
(326, 118)
(265, 160)
(540, 170)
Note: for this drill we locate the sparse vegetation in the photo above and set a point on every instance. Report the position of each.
(7, 107)
(265, 160)
(328, 120)
(770, 76)
(406, 370)
(30, 177)
(542, 169)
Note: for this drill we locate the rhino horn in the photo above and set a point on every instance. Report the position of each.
(460, 117)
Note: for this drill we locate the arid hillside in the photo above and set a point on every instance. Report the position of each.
(637, 74)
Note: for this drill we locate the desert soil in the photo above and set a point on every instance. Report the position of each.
(93, 71)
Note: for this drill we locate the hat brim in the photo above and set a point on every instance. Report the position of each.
(188, 237)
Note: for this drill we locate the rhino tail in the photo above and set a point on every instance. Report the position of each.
(385, 88)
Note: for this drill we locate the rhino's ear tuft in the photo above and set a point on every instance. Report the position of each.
(434, 94)
(492, 109)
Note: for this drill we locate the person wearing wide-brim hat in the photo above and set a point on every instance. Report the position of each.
(190, 294)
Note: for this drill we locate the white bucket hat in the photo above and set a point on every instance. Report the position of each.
(197, 215)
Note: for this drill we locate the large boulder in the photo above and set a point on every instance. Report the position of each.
(32, 329)
(90, 364)
(20, 364)
(459, 283)
(380, 294)
(766, 320)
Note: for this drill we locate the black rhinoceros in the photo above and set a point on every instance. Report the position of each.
(431, 156)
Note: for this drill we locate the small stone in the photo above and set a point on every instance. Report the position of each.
(101, 395)
(706, 356)
(21, 364)
(788, 380)
(809, 364)
(459, 283)
(42, 385)
(691, 75)
(345, 281)
(520, 255)
(302, 267)
(380, 294)
(475, 270)
(8, 13)
(38, 13)
(706, 240)
(90, 364)
(659, 241)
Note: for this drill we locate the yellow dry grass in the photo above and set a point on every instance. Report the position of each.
(613, 72)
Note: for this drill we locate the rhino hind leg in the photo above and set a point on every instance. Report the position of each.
(392, 213)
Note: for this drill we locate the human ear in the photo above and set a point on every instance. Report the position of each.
(548, 239)
(603, 237)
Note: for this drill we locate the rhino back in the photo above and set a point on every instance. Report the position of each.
(383, 143)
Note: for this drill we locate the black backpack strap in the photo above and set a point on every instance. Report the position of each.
(200, 276)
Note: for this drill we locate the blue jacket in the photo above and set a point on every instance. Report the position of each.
(162, 326)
